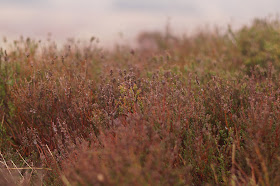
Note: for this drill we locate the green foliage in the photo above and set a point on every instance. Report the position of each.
(259, 43)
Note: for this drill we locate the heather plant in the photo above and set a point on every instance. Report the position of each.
(133, 154)
(196, 110)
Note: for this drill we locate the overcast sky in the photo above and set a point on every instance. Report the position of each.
(106, 19)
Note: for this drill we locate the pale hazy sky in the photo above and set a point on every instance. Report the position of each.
(106, 19)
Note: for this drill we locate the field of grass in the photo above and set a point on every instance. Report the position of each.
(197, 110)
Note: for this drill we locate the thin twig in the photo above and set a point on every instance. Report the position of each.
(6, 163)
(28, 168)
(16, 168)
(53, 158)
(24, 161)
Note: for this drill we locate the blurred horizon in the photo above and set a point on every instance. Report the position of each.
(122, 20)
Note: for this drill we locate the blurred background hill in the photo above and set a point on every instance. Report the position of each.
(121, 20)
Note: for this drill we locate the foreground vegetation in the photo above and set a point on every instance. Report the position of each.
(192, 110)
